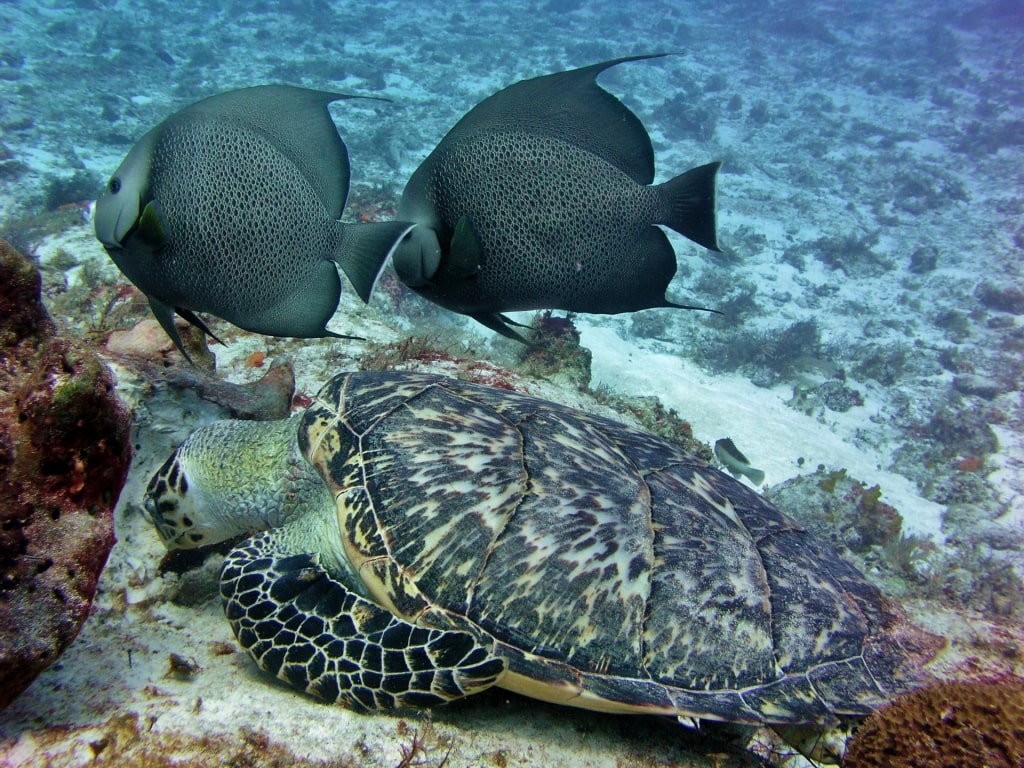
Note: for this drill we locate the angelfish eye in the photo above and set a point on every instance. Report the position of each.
(115, 185)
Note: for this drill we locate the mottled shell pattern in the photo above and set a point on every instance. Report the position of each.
(610, 568)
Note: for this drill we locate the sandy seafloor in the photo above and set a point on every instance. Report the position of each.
(874, 160)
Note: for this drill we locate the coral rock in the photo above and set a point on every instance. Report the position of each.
(64, 454)
(971, 384)
(946, 724)
(148, 351)
(556, 351)
(1002, 298)
(268, 398)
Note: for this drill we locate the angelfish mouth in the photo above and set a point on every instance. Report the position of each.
(113, 242)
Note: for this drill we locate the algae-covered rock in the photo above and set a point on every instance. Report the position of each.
(556, 352)
(64, 453)
(848, 513)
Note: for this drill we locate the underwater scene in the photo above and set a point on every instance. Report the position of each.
(524, 383)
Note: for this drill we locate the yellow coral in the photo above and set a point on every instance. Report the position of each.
(828, 482)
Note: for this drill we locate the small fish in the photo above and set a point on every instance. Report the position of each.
(737, 464)
(231, 206)
(541, 196)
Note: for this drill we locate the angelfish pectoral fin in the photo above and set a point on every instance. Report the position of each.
(151, 229)
(466, 256)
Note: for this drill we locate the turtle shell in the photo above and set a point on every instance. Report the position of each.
(610, 568)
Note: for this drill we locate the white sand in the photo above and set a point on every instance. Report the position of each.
(771, 434)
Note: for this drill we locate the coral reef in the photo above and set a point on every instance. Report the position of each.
(71, 190)
(654, 417)
(885, 364)
(94, 302)
(979, 386)
(64, 454)
(836, 396)
(848, 513)
(961, 430)
(917, 194)
(1001, 298)
(555, 351)
(950, 724)
(25, 231)
(924, 259)
(766, 356)
(417, 352)
(854, 255)
(685, 117)
(974, 569)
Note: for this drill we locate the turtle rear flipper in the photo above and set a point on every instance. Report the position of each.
(308, 629)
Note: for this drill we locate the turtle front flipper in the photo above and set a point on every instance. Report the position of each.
(308, 629)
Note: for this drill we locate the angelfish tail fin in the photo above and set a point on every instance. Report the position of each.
(756, 475)
(690, 204)
(363, 250)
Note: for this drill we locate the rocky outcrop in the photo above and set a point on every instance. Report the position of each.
(64, 454)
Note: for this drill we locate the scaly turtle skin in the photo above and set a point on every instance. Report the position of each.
(425, 538)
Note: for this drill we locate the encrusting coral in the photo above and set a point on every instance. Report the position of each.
(948, 724)
(64, 454)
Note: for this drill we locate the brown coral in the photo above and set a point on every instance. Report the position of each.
(948, 724)
(877, 522)
(64, 453)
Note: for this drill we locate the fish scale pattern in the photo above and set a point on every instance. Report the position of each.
(309, 630)
(229, 192)
(559, 227)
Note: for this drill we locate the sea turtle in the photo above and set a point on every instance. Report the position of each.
(416, 539)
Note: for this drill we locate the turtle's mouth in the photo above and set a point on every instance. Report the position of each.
(165, 516)
(164, 508)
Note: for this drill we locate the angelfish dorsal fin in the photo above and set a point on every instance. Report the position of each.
(569, 106)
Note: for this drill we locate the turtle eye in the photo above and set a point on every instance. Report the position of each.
(114, 186)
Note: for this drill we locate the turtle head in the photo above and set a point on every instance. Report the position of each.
(180, 510)
(227, 479)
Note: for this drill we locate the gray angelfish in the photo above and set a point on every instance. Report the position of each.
(541, 196)
(734, 460)
(231, 207)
